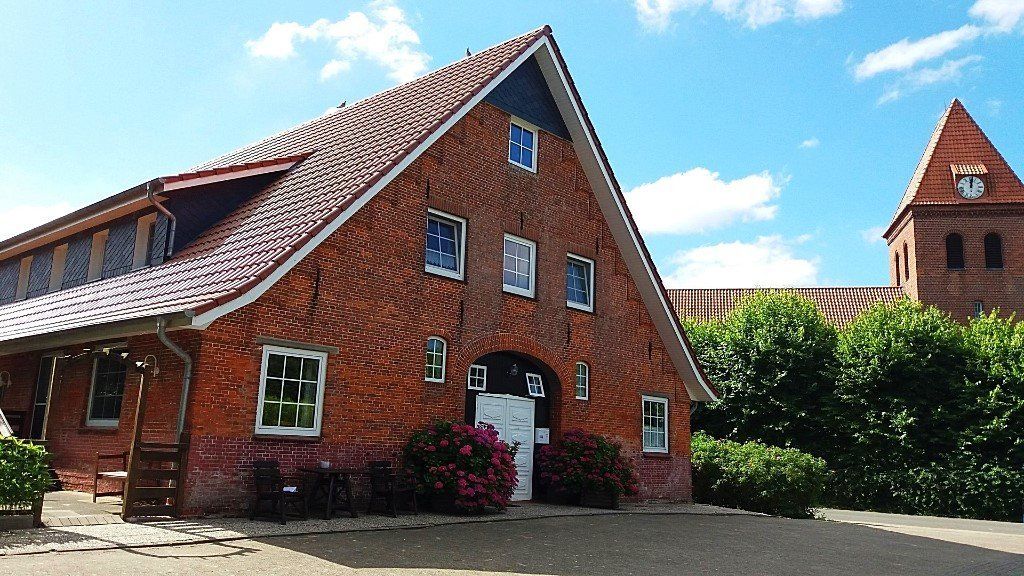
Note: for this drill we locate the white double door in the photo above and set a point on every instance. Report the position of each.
(513, 418)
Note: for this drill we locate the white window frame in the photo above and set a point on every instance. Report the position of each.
(539, 383)
(586, 381)
(444, 360)
(60, 256)
(459, 274)
(317, 418)
(524, 125)
(529, 292)
(482, 374)
(589, 264)
(140, 259)
(978, 308)
(643, 414)
(102, 422)
(24, 272)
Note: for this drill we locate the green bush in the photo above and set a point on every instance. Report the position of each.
(24, 473)
(755, 477)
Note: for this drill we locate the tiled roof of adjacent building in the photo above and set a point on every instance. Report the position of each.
(839, 305)
(353, 148)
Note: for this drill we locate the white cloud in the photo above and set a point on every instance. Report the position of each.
(657, 14)
(16, 219)
(698, 200)
(904, 55)
(1004, 15)
(810, 143)
(767, 262)
(994, 106)
(950, 71)
(382, 36)
(874, 235)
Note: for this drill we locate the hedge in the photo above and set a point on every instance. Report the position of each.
(753, 476)
(24, 473)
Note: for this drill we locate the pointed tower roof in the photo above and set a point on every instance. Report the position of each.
(959, 144)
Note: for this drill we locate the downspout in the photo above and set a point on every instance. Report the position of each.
(161, 333)
(154, 187)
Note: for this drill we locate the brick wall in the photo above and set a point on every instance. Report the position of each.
(364, 290)
(956, 290)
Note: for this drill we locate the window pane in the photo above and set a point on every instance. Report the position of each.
(291, 391)
(442, 244)
(272, 390)
(288, 414)
(292, 368)
(526, 158)
(307, 395)
(515, 153)
(108, 389)
(306, 414)
(271, 413)
(528, 139)
(310, 369)
(516, 134)
(275, 366)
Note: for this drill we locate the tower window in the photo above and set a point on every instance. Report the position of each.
(906, 263)
(955, 252)
(899, 277)
(993, 251)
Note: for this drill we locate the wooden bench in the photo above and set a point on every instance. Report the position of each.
(119, 475)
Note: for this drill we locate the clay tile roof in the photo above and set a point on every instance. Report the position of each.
(968, 169)
(839, 305)
(354, 148)
(958, 141)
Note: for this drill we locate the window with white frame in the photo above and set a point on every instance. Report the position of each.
(522, 145)
(291, 391)
(655, 424)
(579, 283)
(437, 353)
(144, 234)
(445, 246)
(582, 381)
(477, 377)
(107, 393)
(534, 385)
(519, 266)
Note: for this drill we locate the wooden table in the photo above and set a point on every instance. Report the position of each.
(333, 487)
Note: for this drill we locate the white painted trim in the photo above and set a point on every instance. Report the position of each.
(60, 257)
(575, 381)
(444, 360)
(590, 281)
(469, 378)
(24, 274)
(532, 290)
(96, 251)
(204, 319)
(659, 400)
(459, 274)
(669, 314)
(524, 125)
(142, 232)
(321, 384)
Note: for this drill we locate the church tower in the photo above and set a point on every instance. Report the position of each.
(957, 238)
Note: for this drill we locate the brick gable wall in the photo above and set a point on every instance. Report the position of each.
(364, 290)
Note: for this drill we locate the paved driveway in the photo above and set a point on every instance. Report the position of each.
(597, 545)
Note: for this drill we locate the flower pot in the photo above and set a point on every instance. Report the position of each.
(561, 496)
(600, 498)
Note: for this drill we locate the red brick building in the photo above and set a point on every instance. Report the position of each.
(956, 240)
(455, 247)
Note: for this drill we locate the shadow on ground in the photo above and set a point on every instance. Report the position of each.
(673, 545)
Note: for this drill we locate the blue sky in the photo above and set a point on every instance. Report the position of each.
(760, 142)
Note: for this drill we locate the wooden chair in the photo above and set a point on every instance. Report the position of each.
(281, 491)
(119, 475)
(388, 487)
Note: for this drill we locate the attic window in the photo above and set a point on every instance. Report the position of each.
(522, 145)
(144, 234)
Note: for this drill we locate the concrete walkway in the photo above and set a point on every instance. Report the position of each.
(130, 535)
(1001, 536)
(67, 508)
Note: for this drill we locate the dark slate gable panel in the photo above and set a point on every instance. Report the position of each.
(196, 210)
(39, 273)
(9, 280)
(119, 252)
(158, 242)
(76, 263)
(525, 94)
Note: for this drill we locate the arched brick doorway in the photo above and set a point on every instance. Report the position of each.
(519, 395)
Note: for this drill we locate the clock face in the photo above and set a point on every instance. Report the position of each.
(970, 187)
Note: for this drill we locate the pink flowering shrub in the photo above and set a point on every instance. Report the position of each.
(584, 462)
(469, 464)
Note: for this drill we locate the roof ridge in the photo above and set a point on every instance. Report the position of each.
(910, 192)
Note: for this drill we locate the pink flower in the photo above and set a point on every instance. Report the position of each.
(438, 485)
(444, 443)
